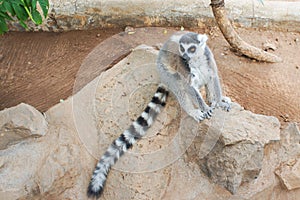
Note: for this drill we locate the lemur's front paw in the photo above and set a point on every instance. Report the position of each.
(199, 116)
(208, 113)
(225, 104)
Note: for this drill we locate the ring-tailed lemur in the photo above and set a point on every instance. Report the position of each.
(185, 64)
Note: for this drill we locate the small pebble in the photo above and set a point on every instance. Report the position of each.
(129, 30)
(285, 117)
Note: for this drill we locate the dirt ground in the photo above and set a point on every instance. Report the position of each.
(40, 68)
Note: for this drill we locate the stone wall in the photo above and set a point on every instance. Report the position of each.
(87, 14)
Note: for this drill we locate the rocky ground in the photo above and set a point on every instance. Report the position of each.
(236, 155)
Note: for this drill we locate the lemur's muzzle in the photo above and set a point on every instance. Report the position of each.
(186, 58)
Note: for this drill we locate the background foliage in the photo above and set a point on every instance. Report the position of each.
(22, 10)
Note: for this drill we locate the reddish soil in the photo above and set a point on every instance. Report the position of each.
(40, 68)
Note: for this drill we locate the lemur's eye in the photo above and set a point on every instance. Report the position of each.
(182, 48)
(192, 49)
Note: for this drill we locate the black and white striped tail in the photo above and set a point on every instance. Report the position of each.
(125, 141)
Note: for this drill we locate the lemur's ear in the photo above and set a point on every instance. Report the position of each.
(202, 38)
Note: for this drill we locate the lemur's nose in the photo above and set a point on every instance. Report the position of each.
(186, 57)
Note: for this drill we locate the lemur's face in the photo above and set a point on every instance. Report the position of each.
(191, 45)
(187, 51)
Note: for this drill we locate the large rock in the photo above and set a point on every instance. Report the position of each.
(237, 155)
(289, 171)
(269, 185)
(165, 164)
(20, 122)
(41, 167)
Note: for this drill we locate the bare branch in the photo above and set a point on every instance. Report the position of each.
(218, 7)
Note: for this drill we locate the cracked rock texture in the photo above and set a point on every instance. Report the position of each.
(238, 155)
(289, 173)
(20, 122)
(289, 169)
(177, 159)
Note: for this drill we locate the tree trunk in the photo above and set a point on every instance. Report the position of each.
(218, 7)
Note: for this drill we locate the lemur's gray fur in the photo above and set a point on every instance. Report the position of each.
(185, 64)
